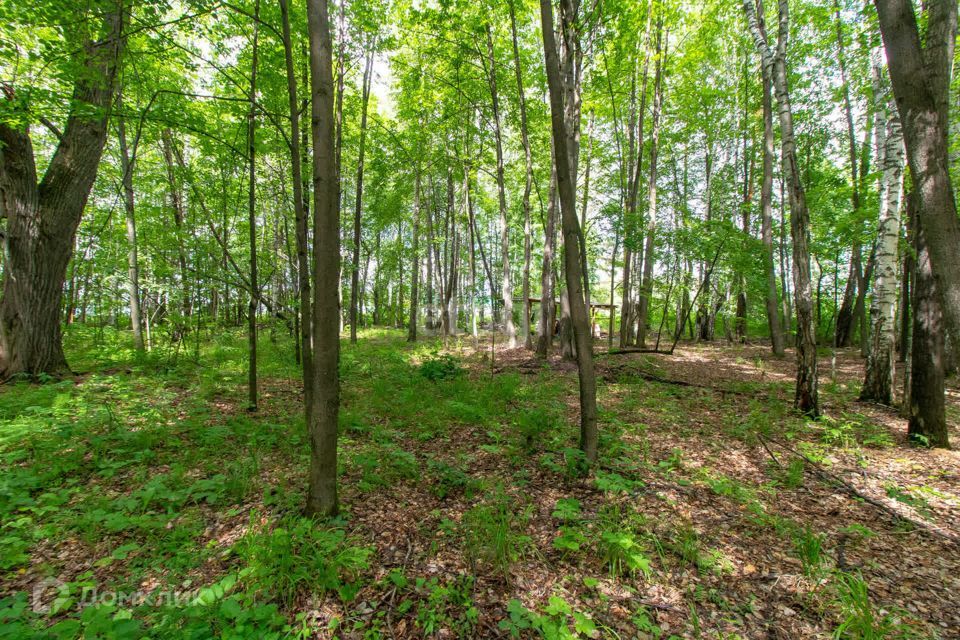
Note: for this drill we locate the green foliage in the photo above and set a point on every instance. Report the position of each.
(615, 483)
(686, 544)
(808, 546)
(447, 479)
(623, 554)
(154, 475)
(559, 621)
(851, 430)
(567, 509)
(860, 620)
(570, 539)
(574, 463)
(383, 465)
(298, 556)
(440, 366)
(492, 534)
(791, 476)
(447, 604)
(534, 425)
(919, 503)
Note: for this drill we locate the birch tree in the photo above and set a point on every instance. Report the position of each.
(806, 397)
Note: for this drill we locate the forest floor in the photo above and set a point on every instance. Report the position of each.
(142, 499)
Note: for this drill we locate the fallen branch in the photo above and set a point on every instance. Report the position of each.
(657, 605)
(826, 476)
(620, 352)
(772, 454)
(683, 383)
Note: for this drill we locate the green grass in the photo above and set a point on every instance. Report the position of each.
(149, 469)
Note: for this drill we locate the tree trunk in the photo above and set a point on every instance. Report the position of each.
(528, 182)
(449, 280)
(415, 266)
(740, 321)
(400, 310)
(468, 204)
(483, 261)
(613, 283)
(787, 316)
(588, 398)
(927, 419)
(920, 77)
(629, 241)
(847, 313)
(177, 206)
(705, 326)
(72, 283)
(878, 382)
(42, 218)
(843, 333)
(338, 139)
(358, 204)
(903, 310)
(646, 287)
(506, 288)
(300, 214)
(806, 397)
(547, 284)
(252, 217)
(127, 162)
(377, 315)
(325, 400)
(570, 58)
(432, 273)
(766, 218)
(585, 201)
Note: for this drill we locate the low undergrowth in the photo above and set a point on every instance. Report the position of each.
(141, 500)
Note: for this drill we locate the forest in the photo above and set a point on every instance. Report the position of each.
(358, 319)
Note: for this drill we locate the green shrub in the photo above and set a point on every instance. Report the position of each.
(448, 604)
(491, 534)
(533, 425)
(301, 555)
(623, 554)
(809, 549)
(860, 620)
(438, 367)
(852, 430)
(447, 479)
(553, 624)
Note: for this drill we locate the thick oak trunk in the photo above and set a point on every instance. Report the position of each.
(927, 418)
(42, 218)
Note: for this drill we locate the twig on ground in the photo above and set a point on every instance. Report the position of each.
(856, 493)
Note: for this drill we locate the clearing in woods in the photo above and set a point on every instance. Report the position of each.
(715, 511)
